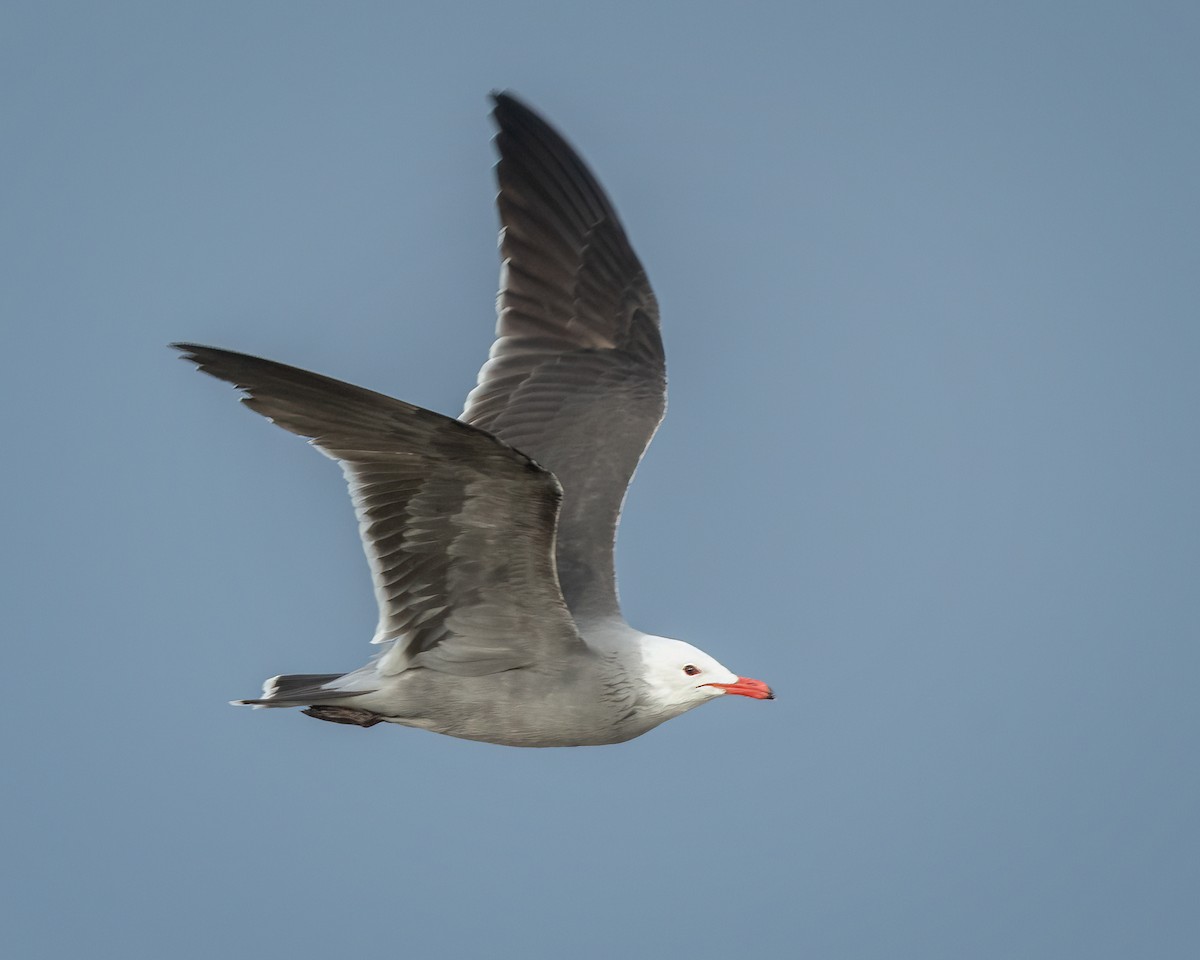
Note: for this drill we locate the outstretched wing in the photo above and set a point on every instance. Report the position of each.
(576, 378)
(458, 527)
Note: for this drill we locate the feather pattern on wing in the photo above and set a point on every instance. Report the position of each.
(576, 378)
(457, 526)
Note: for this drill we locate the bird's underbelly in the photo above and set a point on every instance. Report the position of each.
(513, 709)
(520, 736)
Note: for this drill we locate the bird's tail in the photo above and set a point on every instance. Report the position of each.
(300, 690)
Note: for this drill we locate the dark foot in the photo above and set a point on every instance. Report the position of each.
(359, 718)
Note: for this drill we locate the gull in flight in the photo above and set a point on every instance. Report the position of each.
(490, 537)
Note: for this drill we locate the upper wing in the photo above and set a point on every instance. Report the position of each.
(576, 378)
(458, 527)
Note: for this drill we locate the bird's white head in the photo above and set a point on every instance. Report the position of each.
(679, 676)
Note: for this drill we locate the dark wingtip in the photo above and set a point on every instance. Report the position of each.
(203, 357)
(508, 106)
(506, 98)
(188, 351)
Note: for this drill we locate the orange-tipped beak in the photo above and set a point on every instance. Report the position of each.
(746, 687)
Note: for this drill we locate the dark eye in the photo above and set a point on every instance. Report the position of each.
(691, 669)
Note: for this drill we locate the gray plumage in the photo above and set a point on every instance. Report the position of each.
(490, 538)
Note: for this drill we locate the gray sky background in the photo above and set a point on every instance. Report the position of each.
(929, 275)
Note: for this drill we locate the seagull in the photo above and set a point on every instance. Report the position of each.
(490, 538)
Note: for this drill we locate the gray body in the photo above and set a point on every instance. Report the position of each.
(578, 700)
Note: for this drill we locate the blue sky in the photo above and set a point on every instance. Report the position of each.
(929, 282)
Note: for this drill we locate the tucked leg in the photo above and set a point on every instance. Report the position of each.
(359, 718)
